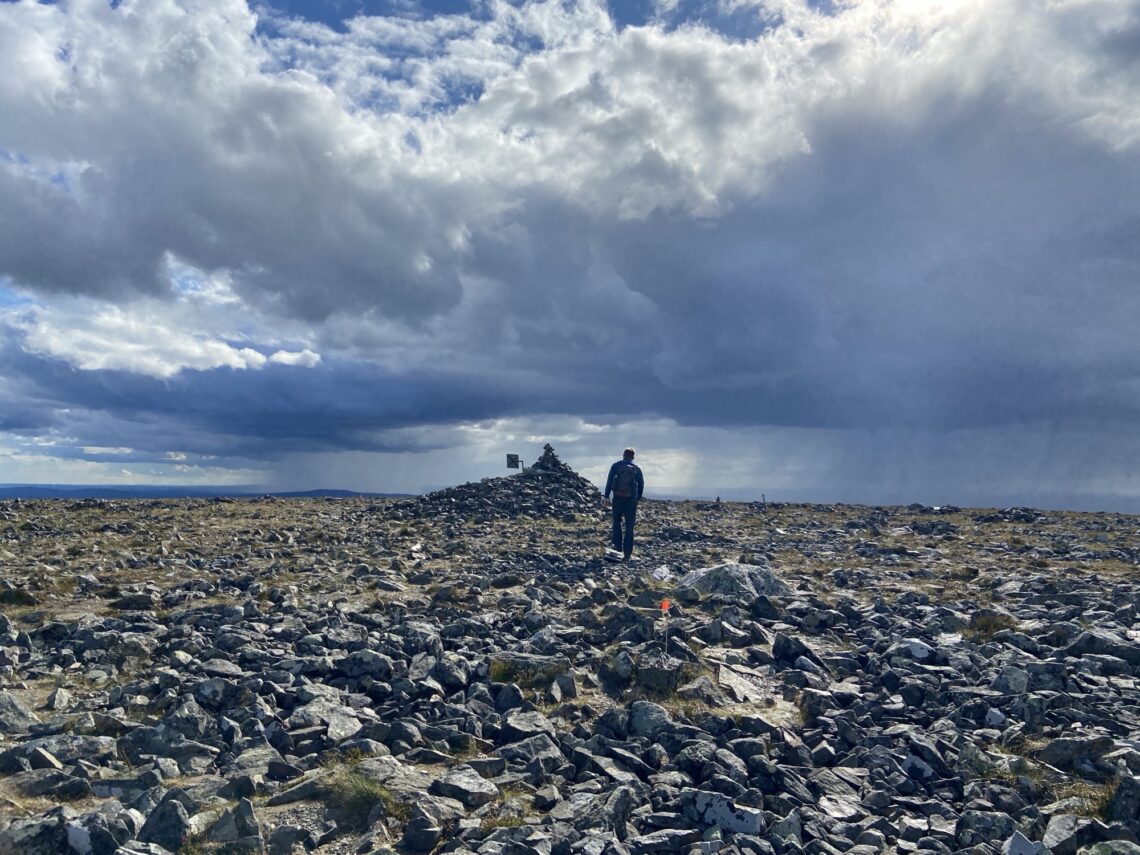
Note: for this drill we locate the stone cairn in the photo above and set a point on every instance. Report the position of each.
(549, 488)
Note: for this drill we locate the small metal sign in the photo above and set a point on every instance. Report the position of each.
(512, 461)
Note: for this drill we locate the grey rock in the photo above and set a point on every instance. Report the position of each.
(1067, 833)
(546, 797)
(422, 834)
(518, 726)
(1065, 752)
(618, 670)
(647, 719)
(51, 783)
(15, 717)
(697, 759)
(658, 674)
(432, 818)
(903, 745)
(365, 663)
(541, 748)
(465, 785)
(60, 699)
(719, 811)
(168, 825)
(1011, 680)
(189, 719)
(219, 693)
(257, 759)
(975, 827)
(704, 690)
(341, 725)
(403, 781)
(917, 768)
(221, 668)
(279, 770)
(1124, 806)
(1103, 642)
(841, 807)
(787, 649)
(103, 831)
(310, 788)
(1019, 844)
(488, 767)
(509, 697)
(42, 836)
(604, 765)
(40, 758)
(789, 828)
(146, 601)
(238, 825)
(740, 582)
(606, 812)
(192, 757)
(284, 839)
(912, 648)
(664, 840)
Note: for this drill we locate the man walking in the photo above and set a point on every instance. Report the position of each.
(627, 484)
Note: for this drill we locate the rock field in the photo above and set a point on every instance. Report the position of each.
(461, 672)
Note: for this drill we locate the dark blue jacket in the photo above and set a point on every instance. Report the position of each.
(613, 476)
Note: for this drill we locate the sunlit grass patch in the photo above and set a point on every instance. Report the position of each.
(354, 796)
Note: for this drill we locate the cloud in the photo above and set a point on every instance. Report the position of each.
(102, 450)
(255, 235)
(305, 358)
(116, 341)
(21, 465)
(204, 327)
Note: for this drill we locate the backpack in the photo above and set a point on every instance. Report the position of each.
(625, 481)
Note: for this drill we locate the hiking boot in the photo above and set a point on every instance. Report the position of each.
(627, 557)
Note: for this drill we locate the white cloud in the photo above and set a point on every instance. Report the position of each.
(205, 327)
(305, 358)
(118, 340)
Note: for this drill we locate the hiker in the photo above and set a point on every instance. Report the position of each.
(627, 484)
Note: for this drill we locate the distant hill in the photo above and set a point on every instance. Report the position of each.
(174, 491)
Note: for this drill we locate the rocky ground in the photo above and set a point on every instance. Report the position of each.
(461, 672)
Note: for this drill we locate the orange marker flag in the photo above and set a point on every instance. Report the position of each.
(664, 605)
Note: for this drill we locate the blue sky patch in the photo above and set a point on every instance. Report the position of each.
(334, 13)
(739, 22)
(10, 297)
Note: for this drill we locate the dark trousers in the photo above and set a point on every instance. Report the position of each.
(625, 509)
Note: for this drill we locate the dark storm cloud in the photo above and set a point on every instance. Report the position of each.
(878, 283)
(241, 413)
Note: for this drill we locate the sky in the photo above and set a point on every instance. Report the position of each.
(878, 252)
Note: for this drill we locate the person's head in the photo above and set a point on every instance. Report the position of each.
(628, 454)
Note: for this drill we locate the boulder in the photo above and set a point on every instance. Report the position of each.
(741, 583)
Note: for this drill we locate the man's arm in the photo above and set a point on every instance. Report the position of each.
(640, 483)
(610, 481)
